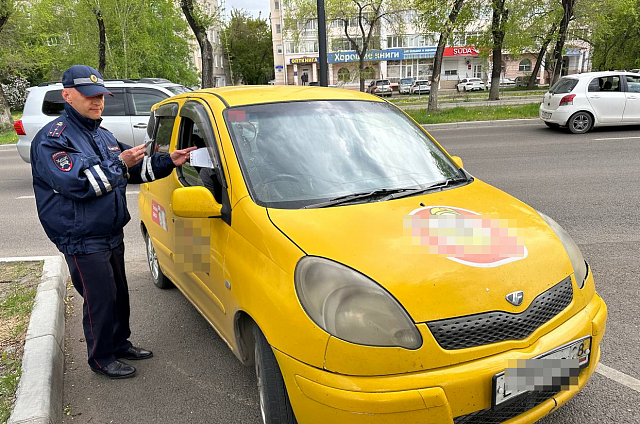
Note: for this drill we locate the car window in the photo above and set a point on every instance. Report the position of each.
(608, 83)
(633, 83)
(196, 130)
(349, 147)
(53, 103)
(406, 81)
(177, 89)
(143, 100)
(564, 85)
(114, 106)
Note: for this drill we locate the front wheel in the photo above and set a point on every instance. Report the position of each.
(159, 279)
(580, 122)
(275, 406)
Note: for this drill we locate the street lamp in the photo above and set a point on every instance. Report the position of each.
(322, 44)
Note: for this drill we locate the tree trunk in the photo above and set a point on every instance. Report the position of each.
(568, 6)
(102, 57)
(541, 53)
(206, 50)
(437, 61)
(361, 72)
(6, 122)
(500, 16)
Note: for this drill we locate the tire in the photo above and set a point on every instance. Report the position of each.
(551, 125)
(159, 279)
(457, 89)
(275, 406)
(580, 122)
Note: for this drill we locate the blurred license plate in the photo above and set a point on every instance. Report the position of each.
(546, 115)
(555, 370)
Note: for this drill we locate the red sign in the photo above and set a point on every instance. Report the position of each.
(460, 51)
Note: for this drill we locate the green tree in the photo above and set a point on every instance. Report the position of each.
(199, 21)
(615, 34)
(248, 47)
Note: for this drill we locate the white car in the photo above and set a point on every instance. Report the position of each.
(470, 84)
(583, 101)
(405, 85)
(504, 82)
(125, 114)
(420, 87)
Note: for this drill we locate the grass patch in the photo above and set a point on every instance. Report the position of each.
(10, 137)
(455, 97)
(480, 113)
(18, 285)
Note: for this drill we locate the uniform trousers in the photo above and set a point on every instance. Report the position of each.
(101, 281)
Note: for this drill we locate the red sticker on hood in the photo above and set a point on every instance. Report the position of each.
(465, 236)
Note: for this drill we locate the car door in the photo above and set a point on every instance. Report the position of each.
(200, 243)
(140, 102)
(632, 95)
(607, 98)
(114, 116)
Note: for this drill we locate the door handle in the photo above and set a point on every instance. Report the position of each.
(632, 97)
(594, 97)
(140, 126)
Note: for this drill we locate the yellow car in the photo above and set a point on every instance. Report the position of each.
(333, 243)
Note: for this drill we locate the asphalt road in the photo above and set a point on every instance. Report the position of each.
(590, 184)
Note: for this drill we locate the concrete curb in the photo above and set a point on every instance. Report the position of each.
(483, 124)
(39, 395)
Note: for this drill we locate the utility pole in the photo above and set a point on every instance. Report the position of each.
(322, 44)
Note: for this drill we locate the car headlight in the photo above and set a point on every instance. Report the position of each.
(352, 307)
(580, 268)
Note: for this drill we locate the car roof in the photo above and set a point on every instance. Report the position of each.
(599, 74)
(242, 95)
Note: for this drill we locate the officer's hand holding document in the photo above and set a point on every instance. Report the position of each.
(200, 158)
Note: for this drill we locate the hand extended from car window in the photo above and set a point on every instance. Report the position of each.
(133, 155)
(179, 157)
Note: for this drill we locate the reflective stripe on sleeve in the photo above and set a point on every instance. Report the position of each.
(93, 182)
(105, 182)
(143, 170)
(150, 170)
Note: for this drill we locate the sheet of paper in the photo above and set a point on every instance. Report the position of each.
(200, 158)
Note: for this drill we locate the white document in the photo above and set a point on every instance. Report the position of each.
(200, 158)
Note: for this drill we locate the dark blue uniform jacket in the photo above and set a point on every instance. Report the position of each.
(80, 185)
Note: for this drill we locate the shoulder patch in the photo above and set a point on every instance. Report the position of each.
(56, 129)
(63, 161)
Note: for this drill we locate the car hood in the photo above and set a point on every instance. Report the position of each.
(416, 248)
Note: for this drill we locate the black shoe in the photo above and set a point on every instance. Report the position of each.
(116, 369)
(135, 353)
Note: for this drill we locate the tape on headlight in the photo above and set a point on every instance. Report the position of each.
(352, 307)
(575, 255)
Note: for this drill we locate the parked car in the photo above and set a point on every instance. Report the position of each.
(504, 82)
(364, 273)
(405, 85)
(584, 101)
(380, 88)
(470, 84)
(523, 81)
(421, 87)
(125, 114)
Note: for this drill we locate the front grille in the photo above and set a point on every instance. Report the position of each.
(517, 407)
(497, 326)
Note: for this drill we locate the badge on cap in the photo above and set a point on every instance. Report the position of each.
(63, 161)
(93, 78)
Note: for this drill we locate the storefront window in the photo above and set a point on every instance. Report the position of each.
(344, 75)
(368, 73)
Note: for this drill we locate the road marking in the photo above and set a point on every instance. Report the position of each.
(620, 377)
(26, 197)
(614, 138)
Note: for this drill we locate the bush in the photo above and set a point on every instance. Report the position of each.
(15, 91)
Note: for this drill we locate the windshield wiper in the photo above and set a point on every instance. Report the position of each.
(365, 195)
(436, 186)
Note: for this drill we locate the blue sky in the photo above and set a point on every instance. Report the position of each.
(251, 6)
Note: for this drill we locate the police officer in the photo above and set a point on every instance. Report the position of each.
(80, 174)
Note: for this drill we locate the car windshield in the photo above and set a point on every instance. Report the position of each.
(406, 81)
(177, 89)
(563, 86)
(297, 154)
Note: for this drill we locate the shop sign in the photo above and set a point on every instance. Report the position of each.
(302, 60)
(279, 68)
(370, 56)
(420, 52)
(461, 51)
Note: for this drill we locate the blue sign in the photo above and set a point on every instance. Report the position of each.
(370, 56)
(420, 52)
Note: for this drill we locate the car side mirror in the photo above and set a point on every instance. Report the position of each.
(195, 202)
(457, 161)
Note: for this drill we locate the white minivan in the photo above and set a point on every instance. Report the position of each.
(583, 101)
(125, 114)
